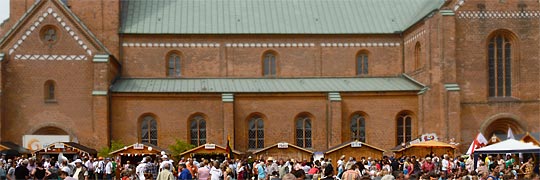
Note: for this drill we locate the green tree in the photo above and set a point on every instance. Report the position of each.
(115, 145)
(179, 147)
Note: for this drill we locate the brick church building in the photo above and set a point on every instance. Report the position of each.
(313, 73)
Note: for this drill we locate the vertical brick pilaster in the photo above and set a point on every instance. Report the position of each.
(335, 118)
(228, 118)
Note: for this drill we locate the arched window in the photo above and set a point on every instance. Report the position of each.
(404, 128)
(174, 65)
(358, 127)
(269, 64)
(50, 91)
(256, 132)
(500, 65)
(417, 55)
(149, 133)
(303, 131)
(362, 64)
(198, 130)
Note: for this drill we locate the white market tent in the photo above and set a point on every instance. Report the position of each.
(507, 146)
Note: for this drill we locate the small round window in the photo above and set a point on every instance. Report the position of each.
(49, 34)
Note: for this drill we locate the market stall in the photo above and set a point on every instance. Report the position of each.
(136, 152)
(508, 146)
(424, 148)
(531, 138)
(355, 149)
(70, 150)
(11, 149)
(209, 151)
(284, 151)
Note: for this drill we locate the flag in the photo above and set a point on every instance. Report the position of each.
(510, 134)
(478, 142)
(228, 149)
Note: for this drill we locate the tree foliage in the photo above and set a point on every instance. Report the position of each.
(115, 145)
(179, 147)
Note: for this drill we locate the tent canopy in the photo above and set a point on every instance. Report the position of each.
(508, 146)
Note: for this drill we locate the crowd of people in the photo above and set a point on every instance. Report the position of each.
(429, 167)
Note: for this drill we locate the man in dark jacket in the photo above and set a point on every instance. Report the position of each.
(22, 172)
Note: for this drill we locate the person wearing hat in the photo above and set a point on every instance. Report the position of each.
(428, 165)
(108, 169)
(64, 174)
(81, 172)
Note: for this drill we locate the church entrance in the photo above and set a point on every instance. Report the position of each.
(500, 127)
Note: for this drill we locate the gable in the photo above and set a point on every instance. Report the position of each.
(74, 42)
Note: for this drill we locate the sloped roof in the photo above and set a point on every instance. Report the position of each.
(71, 144)
(202, 146)
(272, 16)
(288, 144)
(265, 85)
(338, 147)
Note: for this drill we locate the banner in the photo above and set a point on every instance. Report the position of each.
(37, 142)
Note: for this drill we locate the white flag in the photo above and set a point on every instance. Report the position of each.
(478, 142)
(510, 134)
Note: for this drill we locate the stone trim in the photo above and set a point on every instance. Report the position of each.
(362, 44)
(334, 96)
(269, 45)
(50, 57)
(446, 12)
(413, 38)
(101, 58)
(34, 26)
(227, 97)
(99, 93)
(169, 45)
(452, 87)
(498, 14)
(2, 55)
(459, 4)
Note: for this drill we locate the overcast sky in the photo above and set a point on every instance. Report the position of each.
(4, 10)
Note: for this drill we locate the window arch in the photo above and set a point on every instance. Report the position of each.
(269, 64)
(50, 91)
(362, 63)
(417, 55)
(256, 132)
(358, 127)
(149, 133)
(404, 127)
(174, 65)
(198, 130)
(303, 131)
(500, 55)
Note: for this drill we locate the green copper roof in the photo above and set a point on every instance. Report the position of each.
(261, 85)
(272, 16)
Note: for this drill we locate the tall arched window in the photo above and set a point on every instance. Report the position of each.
(358, 127)
(417, 55)
(50, 91)
(362, 64)
(256, 132)
(149, 133)
(198, 130)
(303, 131)
(174, 65)
(404, 128)
(269, 64)
(500, 65)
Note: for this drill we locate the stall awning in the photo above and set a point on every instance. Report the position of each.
(509, 146)
(10, 148)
